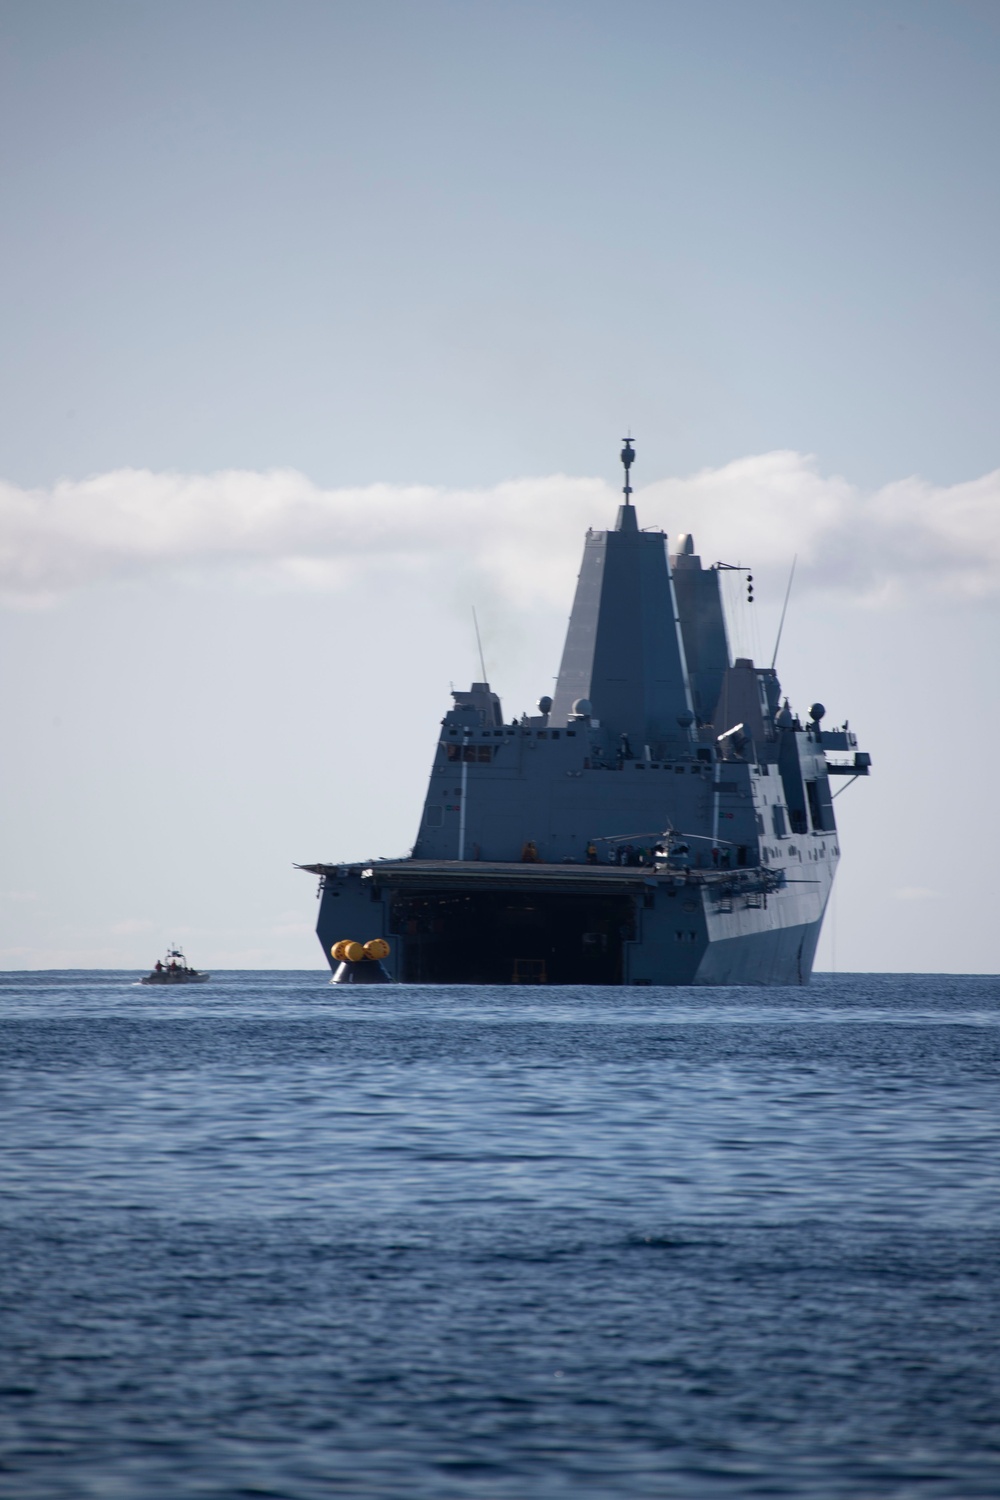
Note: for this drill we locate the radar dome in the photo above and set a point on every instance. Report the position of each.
(544, 704)
(817, 710)
(783, 718)
(583, 707)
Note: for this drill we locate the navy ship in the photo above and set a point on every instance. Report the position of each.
(664, 819)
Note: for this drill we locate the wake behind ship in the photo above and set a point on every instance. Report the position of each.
(663, 820)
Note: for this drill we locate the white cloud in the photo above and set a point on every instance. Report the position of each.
(910, 533)
(520, 538)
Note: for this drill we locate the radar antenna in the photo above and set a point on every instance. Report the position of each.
(628, 454)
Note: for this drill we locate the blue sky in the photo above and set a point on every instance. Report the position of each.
(446, 250)
(445, 242)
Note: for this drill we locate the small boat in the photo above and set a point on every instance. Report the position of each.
(174, 969)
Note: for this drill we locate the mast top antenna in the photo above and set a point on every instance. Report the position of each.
(628, 454)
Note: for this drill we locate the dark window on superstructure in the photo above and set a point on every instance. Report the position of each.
(484, 752)
(778, 819)
(820, 806)
(454, 751)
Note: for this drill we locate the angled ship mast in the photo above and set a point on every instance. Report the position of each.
(624, 653)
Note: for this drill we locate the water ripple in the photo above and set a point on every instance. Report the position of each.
(270, 1239)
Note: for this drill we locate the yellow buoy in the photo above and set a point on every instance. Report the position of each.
(353, 952)
(377, 948)
(338, 951)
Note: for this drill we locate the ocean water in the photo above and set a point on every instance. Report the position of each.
(269, 1238)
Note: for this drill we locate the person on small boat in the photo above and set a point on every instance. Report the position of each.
(159, 967)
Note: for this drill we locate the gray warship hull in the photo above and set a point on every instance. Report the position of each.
(663, 820)
(498, 924)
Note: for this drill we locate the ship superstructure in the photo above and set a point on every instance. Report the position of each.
(663, 819)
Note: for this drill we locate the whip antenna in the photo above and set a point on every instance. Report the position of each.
(781, 623)
(479, 643)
